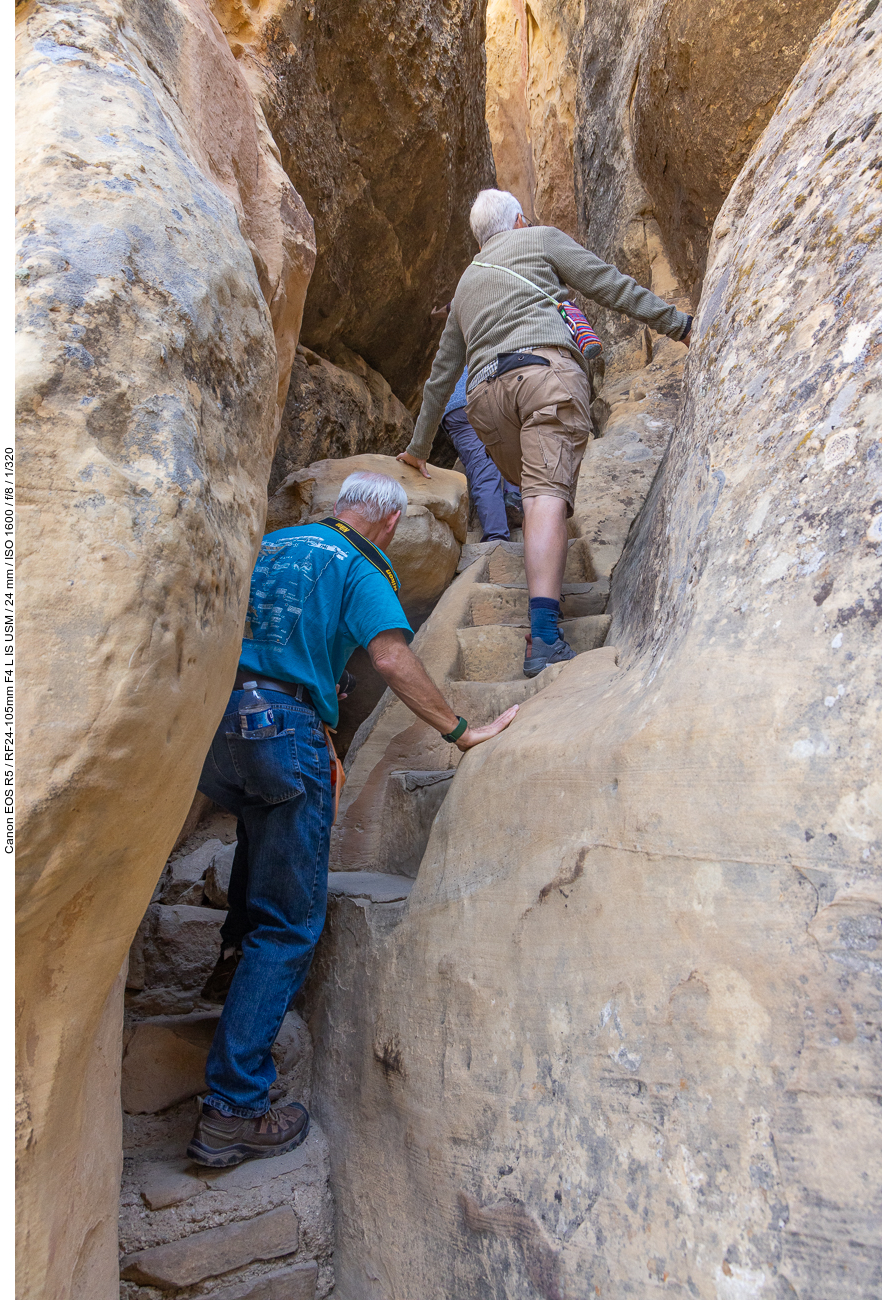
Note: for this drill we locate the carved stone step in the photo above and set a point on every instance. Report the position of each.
(172, 955)
(294, 1283)
(481, 702)
(496, 653)
(182, 1224)
(375, 886)
(164, 1060)
(400, 818)
(492, 603)
(214, 1251)
(474, 551)
(506, 563)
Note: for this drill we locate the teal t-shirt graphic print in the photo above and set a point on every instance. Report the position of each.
(314, 598)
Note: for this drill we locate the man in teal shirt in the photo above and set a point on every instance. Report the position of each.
(314, 598)
(317, 592)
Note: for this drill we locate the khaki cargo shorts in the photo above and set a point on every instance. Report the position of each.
(536, 424)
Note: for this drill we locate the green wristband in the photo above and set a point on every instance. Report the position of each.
(457, 731)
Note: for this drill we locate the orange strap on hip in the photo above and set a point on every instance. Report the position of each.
(338, 776)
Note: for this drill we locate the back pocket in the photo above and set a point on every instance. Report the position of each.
(267, 766)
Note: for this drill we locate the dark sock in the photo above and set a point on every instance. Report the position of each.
(544, 615)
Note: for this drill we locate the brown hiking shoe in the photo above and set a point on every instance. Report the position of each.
(217, 986)
(222, 1140)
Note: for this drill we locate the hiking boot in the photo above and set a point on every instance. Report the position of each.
(217, 986)
(539, 654)
(514, 510)
(222, 1140)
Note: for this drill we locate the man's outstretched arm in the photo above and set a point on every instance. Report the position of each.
(405, 675)
(606, 285)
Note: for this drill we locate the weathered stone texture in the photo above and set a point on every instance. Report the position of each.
(164, 1062)
(337, 409)
(710, 78)
(188, 870)
(625, 1035)
(294, 1283)
(175, 1216)
(671, 97)
(163, 263)
(215, 1251)
(532, 73)
(217, 877)
(173, 953)
(378, 111)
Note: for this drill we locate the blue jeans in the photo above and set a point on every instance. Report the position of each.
(486, 484)
(280, 790)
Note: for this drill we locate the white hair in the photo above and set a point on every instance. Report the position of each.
(492, 212)
(375, 496)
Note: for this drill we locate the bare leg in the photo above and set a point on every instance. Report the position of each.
(545, 545)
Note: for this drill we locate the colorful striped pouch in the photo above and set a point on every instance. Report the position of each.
(580, 327)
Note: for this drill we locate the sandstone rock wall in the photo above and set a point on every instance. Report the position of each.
(164, 258)
(616, 215)
(532, 66)
(378, 111)
(710, 77)
(624, 1034)
(671, 98)
(337, 409)
(508, 116)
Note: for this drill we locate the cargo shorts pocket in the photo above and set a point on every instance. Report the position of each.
(267, 766)
(557, 450)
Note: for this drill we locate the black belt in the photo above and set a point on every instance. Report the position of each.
(296, 690)
(505, 362)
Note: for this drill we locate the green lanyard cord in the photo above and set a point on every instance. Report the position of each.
(493, 266)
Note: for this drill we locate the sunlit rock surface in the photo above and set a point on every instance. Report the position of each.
(532, 74)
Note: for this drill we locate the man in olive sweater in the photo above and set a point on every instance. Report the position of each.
(528, 391)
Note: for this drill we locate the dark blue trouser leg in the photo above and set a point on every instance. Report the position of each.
(236, 926)
(485, 480)
(280, 789)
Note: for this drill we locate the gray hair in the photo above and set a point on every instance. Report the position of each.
(492, 212)
(375, 496)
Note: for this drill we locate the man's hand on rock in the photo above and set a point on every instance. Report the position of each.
(405, 675)
(477, 735)
(414, 462)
